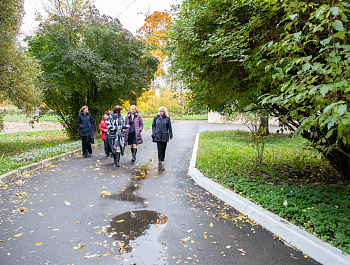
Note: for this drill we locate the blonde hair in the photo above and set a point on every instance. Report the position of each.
(82, 109)
(165, 111)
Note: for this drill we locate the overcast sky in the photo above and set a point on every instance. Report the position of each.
(126, 10)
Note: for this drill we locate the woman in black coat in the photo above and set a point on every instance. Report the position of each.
(115, 132)
(86, 130)
(161, 133)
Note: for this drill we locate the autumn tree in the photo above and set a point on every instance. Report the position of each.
(154, 33)
(18, 70)
(89, 59)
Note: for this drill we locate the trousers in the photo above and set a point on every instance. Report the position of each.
(85, 142)
(161, 146)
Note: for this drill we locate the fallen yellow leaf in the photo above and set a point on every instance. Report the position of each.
(99, 232)
(79, 246)
(211, 224)
(38, 243)
(66, 203)
(205, 236)
(18, 235)
(120, 221)
(105, 193)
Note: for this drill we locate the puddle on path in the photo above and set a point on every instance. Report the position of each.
(143, 225)
(130, 192)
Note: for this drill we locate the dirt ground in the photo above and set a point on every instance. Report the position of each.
(13, 127)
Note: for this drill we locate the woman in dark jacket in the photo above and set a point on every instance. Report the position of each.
(161, 132)
(115, 133)
(86, 130)
(133, 134)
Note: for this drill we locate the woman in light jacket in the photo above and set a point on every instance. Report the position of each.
(115, 132)
(133, 133)
(86, 130)
(161, 133)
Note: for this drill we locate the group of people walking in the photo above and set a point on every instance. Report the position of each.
(117, 133)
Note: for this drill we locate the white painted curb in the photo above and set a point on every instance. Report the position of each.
(310, 245)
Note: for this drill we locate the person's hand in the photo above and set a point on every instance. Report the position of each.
(127, 126)
(119, 128)
(171, 138)
(105, 130)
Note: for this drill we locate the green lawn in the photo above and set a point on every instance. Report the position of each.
(290, 183)
(19, 149)
(25, 118)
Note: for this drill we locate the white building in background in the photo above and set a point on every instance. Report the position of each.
(215, 117)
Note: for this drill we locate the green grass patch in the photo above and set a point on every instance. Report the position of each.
(189, 117)
(19, 149)
(290, 183)
(147, 123)
(25, 118)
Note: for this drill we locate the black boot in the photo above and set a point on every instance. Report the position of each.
(116, 159)
(134, 151)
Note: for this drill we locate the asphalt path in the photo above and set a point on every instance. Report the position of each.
(87, 211)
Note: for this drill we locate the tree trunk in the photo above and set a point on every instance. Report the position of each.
(264, 125)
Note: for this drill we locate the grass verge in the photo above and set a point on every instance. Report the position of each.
(20, 149)
(290, 183)
(25, 118)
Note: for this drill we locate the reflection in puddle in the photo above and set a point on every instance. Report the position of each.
(128, 194)
(141, 173)
(128, 226)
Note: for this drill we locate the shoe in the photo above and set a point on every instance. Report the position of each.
(89, 155)
(85, 156)
(161, 167)
(116, 159)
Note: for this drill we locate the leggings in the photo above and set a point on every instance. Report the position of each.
(161, 146)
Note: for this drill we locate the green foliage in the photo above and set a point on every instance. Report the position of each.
(294, 185)
(214, 48)
(89, 59)
(289, 57)
(311, 66)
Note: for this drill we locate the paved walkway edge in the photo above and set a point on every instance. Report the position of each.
(17, 173)
(303, 241)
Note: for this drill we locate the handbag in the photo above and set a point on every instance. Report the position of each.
(92, 140)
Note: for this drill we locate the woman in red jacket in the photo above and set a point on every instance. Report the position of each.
(103, 129)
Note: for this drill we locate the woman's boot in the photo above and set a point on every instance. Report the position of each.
(116, 159)
(134, 151)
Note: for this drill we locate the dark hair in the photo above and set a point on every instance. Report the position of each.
(117, 109)
(106, 113)
(82, 109)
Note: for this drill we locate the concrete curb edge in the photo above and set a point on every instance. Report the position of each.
(310, 245)
(17, 173)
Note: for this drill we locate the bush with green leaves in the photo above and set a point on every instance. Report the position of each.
(88, 59)
(290, 58)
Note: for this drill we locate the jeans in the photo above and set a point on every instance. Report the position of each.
(161, 146)
(85, 141)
